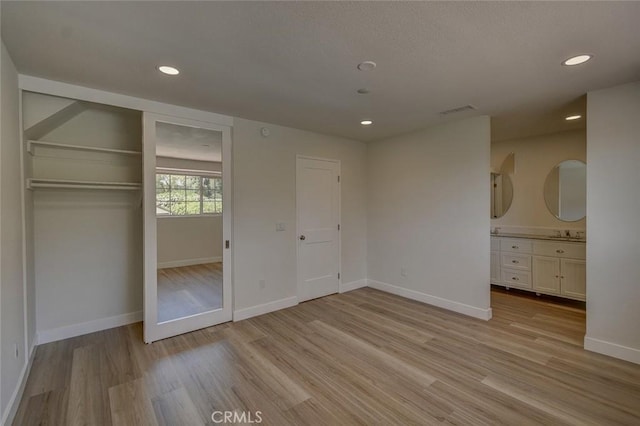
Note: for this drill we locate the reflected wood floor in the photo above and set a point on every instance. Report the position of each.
(189, 290)
(363, 357)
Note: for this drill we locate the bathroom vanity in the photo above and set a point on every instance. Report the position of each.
(540, 264)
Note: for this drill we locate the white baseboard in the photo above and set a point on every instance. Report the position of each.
(188, 262)
(14, 402)
(472, 311)
(46, 336)
(265, 308)
(612, 349)
(353, 285)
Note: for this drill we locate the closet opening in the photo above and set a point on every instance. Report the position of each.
(83, 213)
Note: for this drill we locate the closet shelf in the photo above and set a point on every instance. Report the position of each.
(80, 184)
(32, 143)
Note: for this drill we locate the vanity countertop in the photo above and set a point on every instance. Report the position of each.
(540, 237)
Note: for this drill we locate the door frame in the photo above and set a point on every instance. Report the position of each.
(153, 330)
(339, 163)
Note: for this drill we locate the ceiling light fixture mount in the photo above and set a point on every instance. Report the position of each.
(168, 70)
(576, 60)
(367, 66)
(366, 122)
(573, 117)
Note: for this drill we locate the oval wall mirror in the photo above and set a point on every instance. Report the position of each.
(565, 190)
(501, 194)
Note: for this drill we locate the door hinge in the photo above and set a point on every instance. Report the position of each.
(338, 178)
(338, 275)
(226, 244)
(338, 227)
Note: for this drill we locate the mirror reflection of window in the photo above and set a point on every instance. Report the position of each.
(188, 195)
(565, 190)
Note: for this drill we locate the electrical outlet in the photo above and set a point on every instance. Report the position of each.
(280, 226)
(262, 284)
(403, 272)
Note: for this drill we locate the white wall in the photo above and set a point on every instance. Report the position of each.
(88, 257)
(613, 209)
(428, 213)
(189, 240)
(535, 157)
(12, 315)
(264, 173)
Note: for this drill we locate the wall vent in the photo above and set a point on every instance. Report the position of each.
(459, 109)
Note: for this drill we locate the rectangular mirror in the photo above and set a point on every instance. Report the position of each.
(188, 220)
(189, 206)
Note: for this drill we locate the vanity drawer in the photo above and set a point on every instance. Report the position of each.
(515, 278)
(516, 261)
(495, 244)
(560, 249)
(515, 245)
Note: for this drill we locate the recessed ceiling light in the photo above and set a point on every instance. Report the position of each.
(366, 66)
(165, 69)
(577, 60)
(366, 122)
(573, 117)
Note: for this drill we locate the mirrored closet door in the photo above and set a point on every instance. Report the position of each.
(187, 225)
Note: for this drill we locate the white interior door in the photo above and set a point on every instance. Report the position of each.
(318, 211)
(187, 197)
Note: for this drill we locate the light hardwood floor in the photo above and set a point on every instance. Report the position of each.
(363, 357)
(189, 290)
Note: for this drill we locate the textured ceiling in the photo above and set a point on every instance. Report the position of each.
(188, 143)
(295, 63)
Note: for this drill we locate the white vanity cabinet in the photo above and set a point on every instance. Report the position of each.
(495, 260)
(551, 267)
(560, 268)
(515, 262)
(547, 277)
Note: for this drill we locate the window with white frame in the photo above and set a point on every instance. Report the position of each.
(188, 194)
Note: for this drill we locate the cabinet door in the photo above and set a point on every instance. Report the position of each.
(495, 268)
(546, 274)
(574, 278)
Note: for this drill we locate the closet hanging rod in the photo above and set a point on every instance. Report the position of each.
(71, 184)
(32, 143)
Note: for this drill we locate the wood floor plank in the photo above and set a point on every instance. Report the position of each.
(177, 408)
(130, 404)
(363, 357)
(47, 408)
(189, 290)
(88, 402)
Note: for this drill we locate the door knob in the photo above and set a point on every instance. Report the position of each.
(302, 237)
